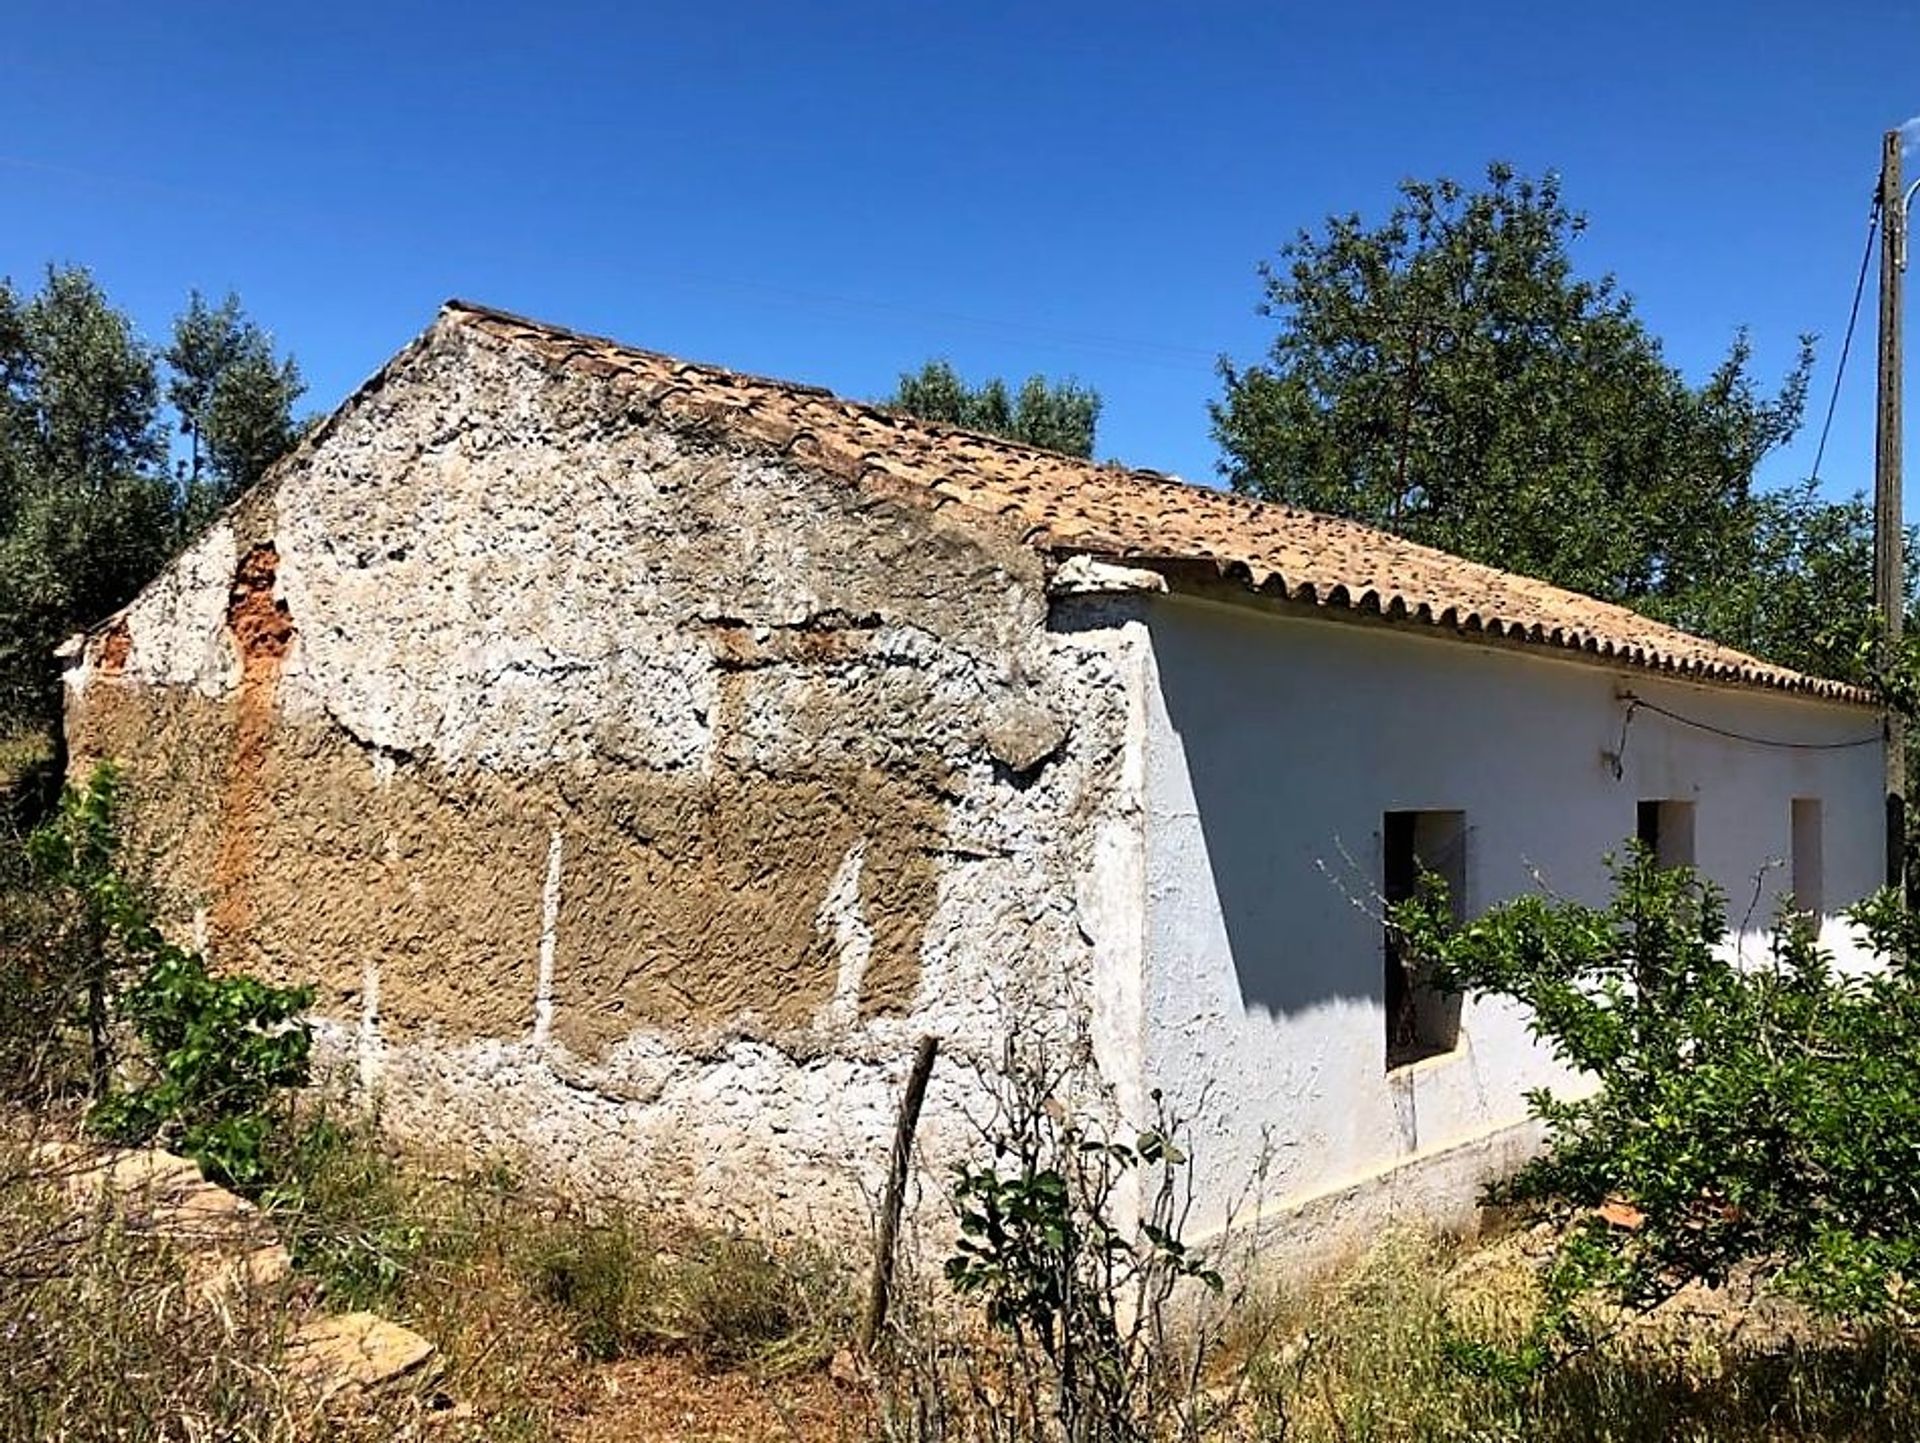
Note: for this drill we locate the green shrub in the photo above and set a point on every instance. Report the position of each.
(217, 1052)
(88, 965)
(1756, 1113)
(63, 894)
(1077, 1292)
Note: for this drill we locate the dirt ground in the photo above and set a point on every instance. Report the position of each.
(653, 1400)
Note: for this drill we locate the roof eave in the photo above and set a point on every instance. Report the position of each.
(1236, 583)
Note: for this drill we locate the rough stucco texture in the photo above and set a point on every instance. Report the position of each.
(631, 798)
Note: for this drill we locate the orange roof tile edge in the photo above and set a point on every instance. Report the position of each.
(1066, 506)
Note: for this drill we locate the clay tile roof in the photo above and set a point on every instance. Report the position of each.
(1067, 506)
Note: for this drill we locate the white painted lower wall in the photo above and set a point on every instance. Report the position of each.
(1275, 743)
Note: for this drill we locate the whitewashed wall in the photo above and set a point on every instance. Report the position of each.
(1274, 745)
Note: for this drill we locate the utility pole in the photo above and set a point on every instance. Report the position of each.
(1889, 529)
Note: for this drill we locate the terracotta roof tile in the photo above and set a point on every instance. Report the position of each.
(1066, 506)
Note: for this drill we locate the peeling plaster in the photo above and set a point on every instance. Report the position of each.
(804, 775)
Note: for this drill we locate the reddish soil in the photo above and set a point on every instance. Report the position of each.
(116, 647)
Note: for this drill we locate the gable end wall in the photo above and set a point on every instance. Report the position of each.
(634, 798)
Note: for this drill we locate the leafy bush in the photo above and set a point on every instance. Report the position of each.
(86, 957)
(1074, 1283)
(64, 895)
(217, 1051)
(1753, 1113)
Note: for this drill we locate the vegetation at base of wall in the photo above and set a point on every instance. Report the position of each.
(173, 1054)
(374, 1226)
(101, 1336)
(529, 1297)
(105, 1345)
(1069, 1243)
(1373, 1355)
(1753, 1114)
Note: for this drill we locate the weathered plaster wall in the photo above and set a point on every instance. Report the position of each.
(637, 798)
(1274, 746)
(633, 797)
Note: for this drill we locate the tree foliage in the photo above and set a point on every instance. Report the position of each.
(89, 507)
(1053, 415)
(1752, 1112)
(1448, 376)
(234, 398)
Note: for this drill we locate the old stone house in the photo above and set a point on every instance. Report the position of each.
(640, 756)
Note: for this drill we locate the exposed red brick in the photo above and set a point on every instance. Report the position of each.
(262, 630)
(116, 648)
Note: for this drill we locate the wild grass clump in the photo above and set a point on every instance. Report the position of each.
(104, 1333)
(726, 1300)
(467, 1251)
(1387, 1354)
(353, 1216)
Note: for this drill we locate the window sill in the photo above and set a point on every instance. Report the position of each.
(1427, 1061)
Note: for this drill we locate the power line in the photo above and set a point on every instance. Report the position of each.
(1639, 703)
(1859, 289)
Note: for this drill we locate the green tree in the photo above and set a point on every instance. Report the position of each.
(234, 398)
(88, 509)
(1446, 375)
(1804, 595)
(1055, 416)
(89, 513)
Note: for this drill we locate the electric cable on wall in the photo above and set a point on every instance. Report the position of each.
(1639, 703)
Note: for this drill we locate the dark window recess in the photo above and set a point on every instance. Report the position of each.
(1665, 828)
(1647, 826)
(1422, 1021)
(1809, 861)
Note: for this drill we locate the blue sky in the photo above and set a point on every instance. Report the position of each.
(834, 192)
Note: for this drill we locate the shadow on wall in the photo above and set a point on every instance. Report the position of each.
(1283, 818)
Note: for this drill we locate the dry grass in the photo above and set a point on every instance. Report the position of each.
(102, 1334)
(535, 1304)
(525, 1291)
(1371, 1358)
(556, 1320)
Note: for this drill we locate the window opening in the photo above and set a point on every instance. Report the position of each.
(1422, 1020)
(1665, 828)
(1809, 863)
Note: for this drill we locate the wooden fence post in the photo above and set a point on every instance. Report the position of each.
(896, 1198)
